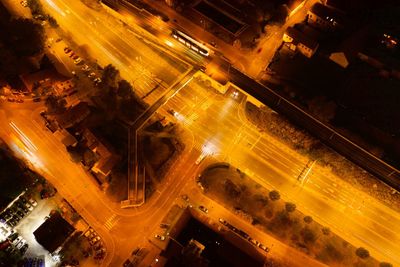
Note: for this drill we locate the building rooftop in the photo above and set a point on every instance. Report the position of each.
(300, 37)
(327, 13)
(53, 232)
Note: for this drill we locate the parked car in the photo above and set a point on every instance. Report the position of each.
(17, 240)
(203, 209)
(160, 237)
(36, 99)
(24, 248)
(11, 222)
(86, 68)
(89, 232)
(254, 242)
(33, 202)
(24, 3)
(12, 237)
(222, 221)
(97, 80)
(263, 247)
(185, 197)
(94, 240)
(78, 61)
(92, 74)
(20, 214)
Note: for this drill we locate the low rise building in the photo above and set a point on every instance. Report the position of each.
(297, 40)
(53, 233)
(73, 115)
(325, 18)
(107, 159)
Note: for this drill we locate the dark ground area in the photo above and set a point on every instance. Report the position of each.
(363, 98)
(218, 251)
(13, 179)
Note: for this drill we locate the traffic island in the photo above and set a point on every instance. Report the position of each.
(265, 209)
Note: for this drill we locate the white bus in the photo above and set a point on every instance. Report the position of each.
(191, 43)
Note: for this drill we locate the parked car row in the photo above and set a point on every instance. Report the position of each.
(17, 244)
(17, 211)
(95, 242)
(34, 262)
(78, 61)
(243, 235)
(136, 257)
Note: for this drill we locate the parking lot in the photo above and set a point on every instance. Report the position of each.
(20, 220)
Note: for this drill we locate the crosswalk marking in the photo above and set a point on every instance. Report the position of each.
(109, 224)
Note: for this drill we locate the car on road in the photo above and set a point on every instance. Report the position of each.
(160, 237)
(185, 197)
(200, 158)
(203, 209)
(36, 99)
(24, 3)
(11, 99)
(172, 112)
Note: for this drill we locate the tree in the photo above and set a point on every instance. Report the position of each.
(52, 21)
(35, 7)
(362, 253)
(125, 89)
(308, 219)
(290, 207)
(55, 104)
(110, 76)
(24, 37)
(308, 235)
(326, 230)
(274, 195)
(75, 154)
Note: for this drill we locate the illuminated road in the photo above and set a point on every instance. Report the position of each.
(106, 40)
(217, 125)
(220, 124)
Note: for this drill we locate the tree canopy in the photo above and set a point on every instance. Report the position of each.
(55, 104)
(24, 37)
